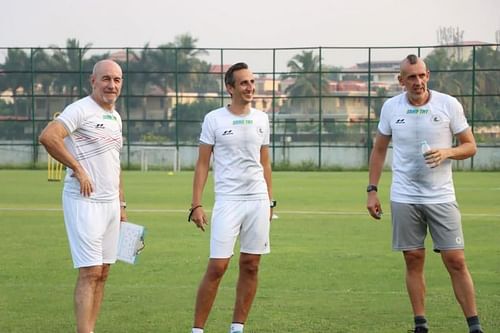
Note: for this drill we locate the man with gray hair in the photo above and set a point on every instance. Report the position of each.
(421, 124)
(87, 139)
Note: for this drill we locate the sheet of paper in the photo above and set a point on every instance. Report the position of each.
(131, 240)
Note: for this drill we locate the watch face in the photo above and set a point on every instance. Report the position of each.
(371, 188)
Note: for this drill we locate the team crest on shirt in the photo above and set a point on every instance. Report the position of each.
(435, 118)
(260, 130)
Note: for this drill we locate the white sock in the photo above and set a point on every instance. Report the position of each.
(197, 330)
(236, 328)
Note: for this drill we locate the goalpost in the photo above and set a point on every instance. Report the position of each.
(160, 158)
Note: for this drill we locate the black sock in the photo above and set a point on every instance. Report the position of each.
(420, 321)
(473, 323)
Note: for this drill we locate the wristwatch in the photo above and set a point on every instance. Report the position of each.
(272, 203)
(371, 188)
(123, 204)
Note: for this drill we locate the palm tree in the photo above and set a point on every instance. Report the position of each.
(43, 65)
(188, 64)
(16, 76)
(69, 60)
(454, 77)
(437, 61)
(140, 66)
(304, 70)
(450, 75)
(487, 78)
(486, 83)
(15, 69)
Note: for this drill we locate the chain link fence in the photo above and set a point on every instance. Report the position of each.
(323, 102)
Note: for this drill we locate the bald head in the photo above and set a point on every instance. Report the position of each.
(106, 63)
(106, 80)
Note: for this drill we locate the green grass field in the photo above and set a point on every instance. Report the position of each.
(331, 268)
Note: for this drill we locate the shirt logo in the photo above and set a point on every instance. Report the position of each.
(417, 111)
(243, 122)
(109, 116)
(400, 121)
(436, 119)
(99, 126)
(228, 132)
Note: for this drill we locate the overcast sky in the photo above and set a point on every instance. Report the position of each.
(238, 23)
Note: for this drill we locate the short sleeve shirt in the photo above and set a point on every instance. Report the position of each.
(237, 142)
(95, 140)
(436, 123)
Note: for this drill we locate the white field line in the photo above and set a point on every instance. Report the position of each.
(277, 211)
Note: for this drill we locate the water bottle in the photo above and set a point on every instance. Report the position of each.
(424, 147)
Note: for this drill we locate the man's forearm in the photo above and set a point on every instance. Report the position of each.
(200, 179)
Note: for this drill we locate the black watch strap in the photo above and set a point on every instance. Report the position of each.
(371, 188)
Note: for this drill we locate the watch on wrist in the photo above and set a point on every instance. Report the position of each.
(123, 204)
(272, 203)
(371, 188)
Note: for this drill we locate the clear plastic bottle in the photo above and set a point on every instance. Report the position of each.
(424, 148)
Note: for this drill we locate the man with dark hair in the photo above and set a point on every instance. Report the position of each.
(229, 76)
(421, 124)
(237, 136)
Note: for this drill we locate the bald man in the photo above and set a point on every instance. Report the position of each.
(87, 139)
(422, 124)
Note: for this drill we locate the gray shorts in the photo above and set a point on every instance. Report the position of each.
(410, 223)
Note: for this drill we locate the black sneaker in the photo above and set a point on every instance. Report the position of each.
(419, 329)
(477, 331)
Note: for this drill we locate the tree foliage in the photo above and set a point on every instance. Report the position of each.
(456, 78)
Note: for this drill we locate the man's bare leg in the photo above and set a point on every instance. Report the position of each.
(415, 282)
(207, 291)
(461, 280)
(246, 287)
(88, 297)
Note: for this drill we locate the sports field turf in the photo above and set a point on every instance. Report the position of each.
(331, 268)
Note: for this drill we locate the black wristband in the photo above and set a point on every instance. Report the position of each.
(191, 210)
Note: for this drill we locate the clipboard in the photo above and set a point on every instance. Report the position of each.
(130, 242)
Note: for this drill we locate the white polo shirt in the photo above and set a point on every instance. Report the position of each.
(95, 141)
(237, 141)
(435, 122)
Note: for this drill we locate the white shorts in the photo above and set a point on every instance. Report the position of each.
(247, 218)
(93, 229)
